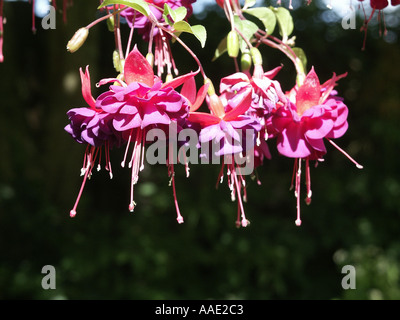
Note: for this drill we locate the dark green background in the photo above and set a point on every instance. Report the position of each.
(106, 252)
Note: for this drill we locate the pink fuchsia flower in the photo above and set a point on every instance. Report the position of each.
(312, 115)
(139, 104)
(92, 126)
(267, 94)
(222, 128)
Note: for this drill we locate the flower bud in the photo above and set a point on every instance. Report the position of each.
(77, 40)
(111, 23)
(117, 61)
(256, 55)
(233, 44)
(245, 61)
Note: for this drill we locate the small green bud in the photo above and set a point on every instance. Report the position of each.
(116, 61)
(256, 55)
(245, 61)
(77, 40)
(110, 23)
(233, 44)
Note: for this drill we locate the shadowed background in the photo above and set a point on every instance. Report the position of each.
(106, 252)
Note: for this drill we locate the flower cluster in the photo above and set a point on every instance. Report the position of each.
(248, 112)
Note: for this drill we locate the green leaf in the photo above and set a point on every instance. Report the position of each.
(198, 30)
(247, 29)
(221, 49)
(285, 22)
(176, 15)
(168, 12)
(200, 33)
(180, 14)
(139, 5)
(266, 16)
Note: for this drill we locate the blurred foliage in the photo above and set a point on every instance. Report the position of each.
(105, 252)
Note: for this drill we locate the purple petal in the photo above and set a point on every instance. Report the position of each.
(123, 122)
(318, 128)
(291, 142)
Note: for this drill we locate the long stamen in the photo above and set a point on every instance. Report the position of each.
(143, 152)
(238, 217)
(297, 194)
(185, 161)
(308, 182)
(359, 166)
(179, 217)
(244, 221)
(134, 164)
(83, 169)
(88, 170)
(221, 174)
(126, 149)
(108, 161)
(99, 163)
(293, 175)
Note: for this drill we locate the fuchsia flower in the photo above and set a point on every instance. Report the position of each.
(313, 113)
(144, 102)
(91, 126)
(127, 111)
(226, 129)
(266, 96)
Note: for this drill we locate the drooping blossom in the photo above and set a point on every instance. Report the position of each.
(91, 126)
(139, 104)
(226, 129)
(266, 96)
(313, 113)
(126, 112)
